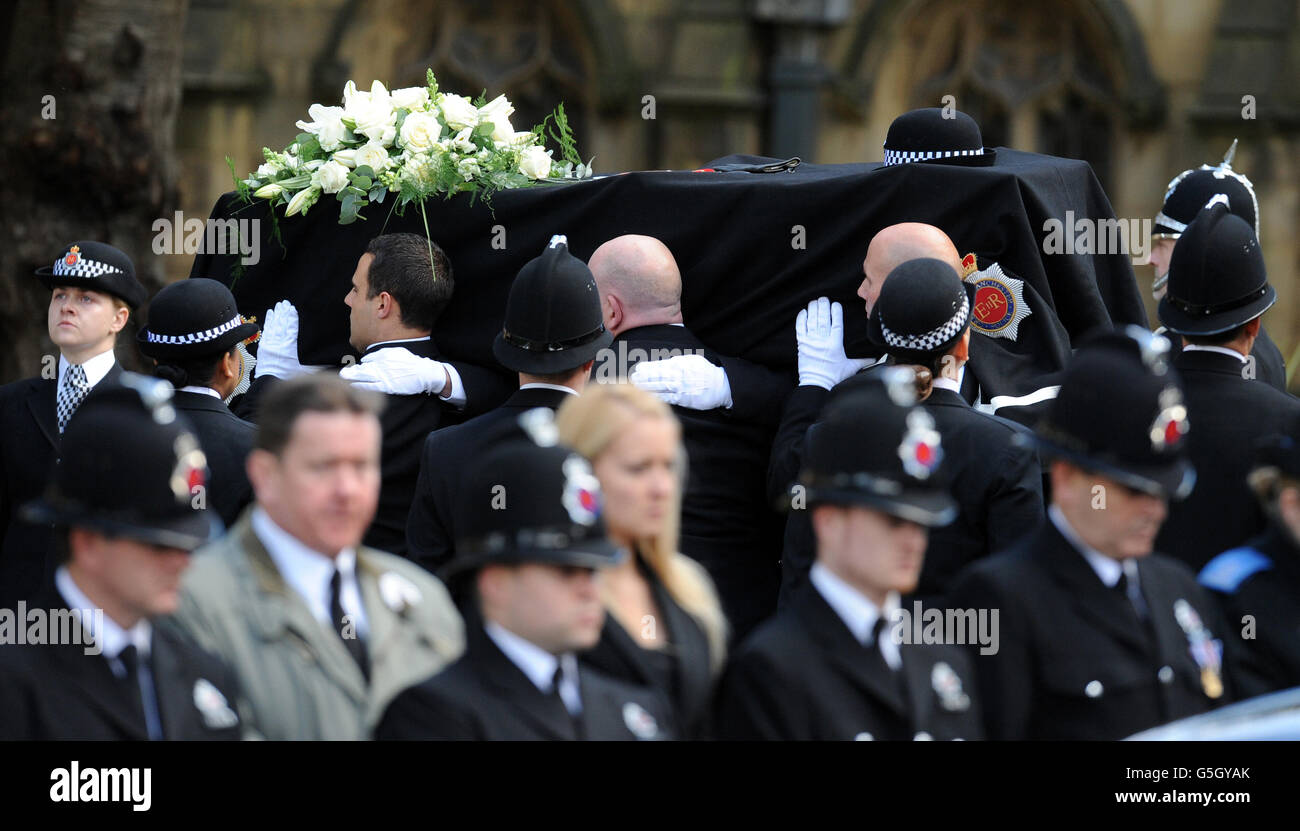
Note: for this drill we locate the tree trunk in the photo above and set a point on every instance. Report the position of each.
(87, 117)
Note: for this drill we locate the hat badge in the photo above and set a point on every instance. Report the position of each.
(581, 496)
(920, 451)
(1170, 424)
(73, 256)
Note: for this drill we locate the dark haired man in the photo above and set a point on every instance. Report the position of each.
(321, 630)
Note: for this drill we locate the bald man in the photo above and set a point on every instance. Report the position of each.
(728, 408)
(897, 244)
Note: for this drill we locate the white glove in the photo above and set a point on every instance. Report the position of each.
(689, 381)
(398, 371)
(277, 349)
(819, 330)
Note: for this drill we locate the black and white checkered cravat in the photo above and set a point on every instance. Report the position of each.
(72, 392)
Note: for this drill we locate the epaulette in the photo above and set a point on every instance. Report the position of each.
(1226, 572)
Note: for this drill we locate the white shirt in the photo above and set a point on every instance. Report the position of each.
(110, 637)
(1223, 350)
(539, 665)
(200, 391)
(857, 611)
(1108, 569)
(540, 386)
(948, 383)
(309, 573)
(456, 397)
(96, 368)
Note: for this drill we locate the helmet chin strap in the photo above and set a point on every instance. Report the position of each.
(1159, 283)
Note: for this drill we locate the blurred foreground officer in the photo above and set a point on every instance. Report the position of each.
(1099, 637)
(194, 334)
(92, 292)
(102, 671)
(532, 543)
(1218, 290)
(321, 631)
(1259, 583)
(1184, 198)
(836, 664)
(552, 332)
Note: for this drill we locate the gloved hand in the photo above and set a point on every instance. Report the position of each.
(819, 331)
(277, 349)
(689, 381)
(397, 371)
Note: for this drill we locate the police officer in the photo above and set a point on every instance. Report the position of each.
(553, 330)
(1259, 582)
(1185, 195)
(93, 290)
(531, 541)
(1099, 638)
(836, 663)
(111, 674)
(1218, 290)
(193, 335)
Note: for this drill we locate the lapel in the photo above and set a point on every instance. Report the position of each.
(916, 672)
(511, 685)
(837, 643)
(100, 689)
(279, 613)
(171, 685)
(1105, 608)
(1171, 641)
(41, 400)
(689, 642)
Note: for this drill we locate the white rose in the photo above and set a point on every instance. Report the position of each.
(372, 153)
(410, 98)
(332, 177)
(326, 125)
(458, 111)
(347, 157)
(498, 111)
(535, 162)
(419, 132)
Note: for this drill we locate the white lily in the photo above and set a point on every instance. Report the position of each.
(302, 200)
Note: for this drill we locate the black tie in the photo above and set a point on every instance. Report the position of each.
(555, 693)
(1143, 621)
(347, 630)
(876, 658)
(130, 659)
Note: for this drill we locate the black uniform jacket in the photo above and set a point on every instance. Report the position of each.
(727, 525)
(485, 697)
(680, 671)
(1226, 414)
(226, 440)
(804, 676)
(1074, 660)
(61, 692)
(995, 478)
(446, 459)
(1270, 366)
(29, 450)
(1259, 588)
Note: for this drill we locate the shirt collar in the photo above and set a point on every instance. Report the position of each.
(1222, 350)
(99, 627)
(96, 368)
(306, 570)
(946, 384)
(540, 386)
(200, 391)
(857, 612)
(535, 662)
(1108, 569)
(398, 340)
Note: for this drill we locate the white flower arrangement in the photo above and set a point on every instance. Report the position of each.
(414, 142)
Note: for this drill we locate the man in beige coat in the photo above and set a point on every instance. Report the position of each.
(322, 632)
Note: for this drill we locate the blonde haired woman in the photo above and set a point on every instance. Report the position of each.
(665, 628)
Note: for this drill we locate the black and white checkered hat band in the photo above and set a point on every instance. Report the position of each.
(196, 337)
(932, 340)
(84, 268)
(893, 157)
(1169, 222)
